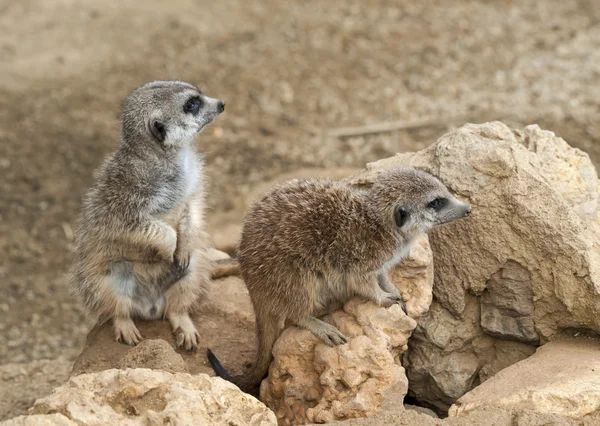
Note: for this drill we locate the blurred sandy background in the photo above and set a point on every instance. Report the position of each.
(289, 72)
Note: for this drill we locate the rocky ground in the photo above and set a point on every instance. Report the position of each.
(289, 72)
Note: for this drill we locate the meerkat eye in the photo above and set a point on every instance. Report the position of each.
(400, 216)
(192, 106)
(437, 204)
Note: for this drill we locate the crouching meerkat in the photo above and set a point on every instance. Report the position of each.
(140, 245)
(309, 245)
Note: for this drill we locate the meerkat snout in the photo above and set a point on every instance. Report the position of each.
(451, 209)
(221, 106)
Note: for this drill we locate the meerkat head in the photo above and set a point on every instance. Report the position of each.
(168, 113)
(414, 202)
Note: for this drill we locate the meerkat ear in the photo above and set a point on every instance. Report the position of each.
(158, 130)
(400, 216)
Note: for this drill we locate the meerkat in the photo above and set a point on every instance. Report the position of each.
(140, 245)
(308, 245)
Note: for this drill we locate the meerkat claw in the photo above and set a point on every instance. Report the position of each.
(334, 338)
(329, 334)
(186, 335)
(126, 332)
(181, 265)
(397, 300)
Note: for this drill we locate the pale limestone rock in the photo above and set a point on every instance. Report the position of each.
(507, 305)
(147, 397)
(414, 278)
(562, 377)
(522, 269)
(56, 419)
(311, 382)
(155, 354)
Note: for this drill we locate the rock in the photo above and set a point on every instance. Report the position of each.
(146, 397)
(562, 377)
(523, 269)
(309, 381)
(393, 418)
(483, 416)
(422, 410)
(224, 323)
(507, 305)
(56, 419)
(21, 384)
(155, 354)
(414, 278)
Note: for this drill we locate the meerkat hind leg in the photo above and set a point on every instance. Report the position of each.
(329, 334)
(188, 292)
(184, 330)
(126, 331)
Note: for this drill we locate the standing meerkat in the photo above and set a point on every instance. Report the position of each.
(309, 245)
(141, 249)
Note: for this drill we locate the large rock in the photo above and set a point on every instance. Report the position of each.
(483, 416)
(562, 377)
(56, 419)
(147, 397)
(309, 381)
(523, 269)
(224, 323)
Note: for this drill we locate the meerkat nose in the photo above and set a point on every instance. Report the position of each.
(221, 106)
(468, 210)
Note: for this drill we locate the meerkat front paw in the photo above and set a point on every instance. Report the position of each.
(181, 260)
(392, 299)
(126, 331)
(184, 330)
(331, 336)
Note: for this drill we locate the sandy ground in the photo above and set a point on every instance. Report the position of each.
(289, 71)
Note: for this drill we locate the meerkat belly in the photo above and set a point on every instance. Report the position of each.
(137, 284)
(331, 289)
(148, 302)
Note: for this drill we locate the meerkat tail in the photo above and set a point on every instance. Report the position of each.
(217, 367)
(268, 332)
(225, 268)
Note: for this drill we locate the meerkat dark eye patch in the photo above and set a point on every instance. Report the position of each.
(192, 106)
(158, 130)
(437, 204)
(400, 216)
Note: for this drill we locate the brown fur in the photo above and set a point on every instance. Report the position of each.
(309, 245)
